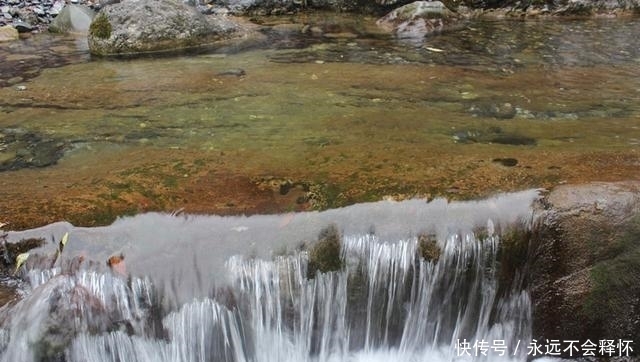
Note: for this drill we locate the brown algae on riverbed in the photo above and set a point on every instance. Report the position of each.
(171, 133)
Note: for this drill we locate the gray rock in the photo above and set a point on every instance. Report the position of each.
(38, 10)
(26, 15)
(56, 8)
(419, 19)
(72, 19)
(144, 26)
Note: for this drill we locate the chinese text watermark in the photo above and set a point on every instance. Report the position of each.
(549, 347)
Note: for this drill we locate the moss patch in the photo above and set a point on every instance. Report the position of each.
(325, 254)
(100, 27)
(428, 247)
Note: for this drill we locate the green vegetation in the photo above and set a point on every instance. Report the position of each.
(325, 255)
(100, 27)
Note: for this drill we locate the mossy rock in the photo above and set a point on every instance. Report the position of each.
(100, 27)
(616, 286)
(584, 272)
(138, 27)
(428, 248)
(325, 255)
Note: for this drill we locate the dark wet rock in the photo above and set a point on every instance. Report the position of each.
(72, 19)
(508, 162)
(11, 250)
(419, 19)
(513, 139)
(59, 305)
(8, 33)
(492, 135)
(135, 27)
(585, 263)
(500, 111)
(237, 72)
(23, 27)
(20, 149)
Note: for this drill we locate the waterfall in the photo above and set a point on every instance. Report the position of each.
(253, 298)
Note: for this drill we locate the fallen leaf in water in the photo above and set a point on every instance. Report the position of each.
(117, 265)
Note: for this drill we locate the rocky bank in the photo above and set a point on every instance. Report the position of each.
(584, 259)
(26, 16)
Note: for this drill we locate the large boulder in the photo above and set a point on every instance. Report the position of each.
(144, 26)
(419, 19)
(72, 19)
(584, 274)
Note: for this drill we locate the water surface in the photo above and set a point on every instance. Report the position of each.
(348, 114)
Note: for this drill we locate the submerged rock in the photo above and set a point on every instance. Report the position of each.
(419, 19)
(493, 135)
(507, 162)
(134, 27)
(21, 149)
(72, 18)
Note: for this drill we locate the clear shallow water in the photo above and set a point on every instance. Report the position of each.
(570, 71)
(352, 108)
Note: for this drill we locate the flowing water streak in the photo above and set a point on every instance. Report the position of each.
(385, 303)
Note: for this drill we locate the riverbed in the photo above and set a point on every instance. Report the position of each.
(316, 120)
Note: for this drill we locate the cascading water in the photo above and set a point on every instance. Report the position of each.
(241, 289)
